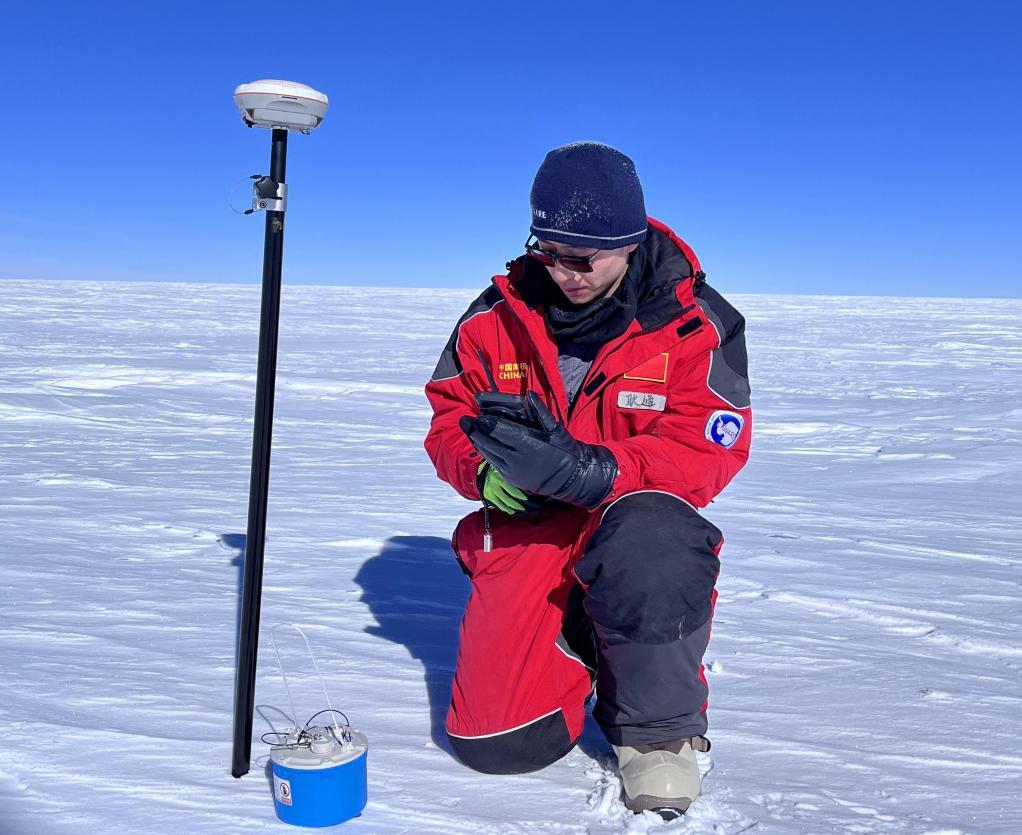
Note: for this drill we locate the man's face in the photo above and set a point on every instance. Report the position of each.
(609, 267)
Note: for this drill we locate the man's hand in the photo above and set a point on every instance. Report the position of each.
(493, 487)
(545, 460)
(507, 498)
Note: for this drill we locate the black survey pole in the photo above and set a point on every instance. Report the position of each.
(259, 487)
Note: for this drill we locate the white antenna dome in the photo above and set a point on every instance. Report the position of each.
(272, 103)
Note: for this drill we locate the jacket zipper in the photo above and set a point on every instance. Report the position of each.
(487, 530)
(487, 536)
(539, 357)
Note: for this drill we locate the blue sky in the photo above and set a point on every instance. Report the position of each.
(800, 147)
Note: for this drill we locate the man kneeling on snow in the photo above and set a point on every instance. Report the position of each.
(593, 398)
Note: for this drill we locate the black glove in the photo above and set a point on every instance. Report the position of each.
(545, 460)
(513, 407)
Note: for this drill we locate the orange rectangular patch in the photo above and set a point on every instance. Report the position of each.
(653, 370)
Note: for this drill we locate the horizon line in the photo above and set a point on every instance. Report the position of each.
(480, 288)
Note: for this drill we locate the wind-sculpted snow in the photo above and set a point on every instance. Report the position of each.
(865, 667)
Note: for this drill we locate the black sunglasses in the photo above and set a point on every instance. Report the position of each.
(575, 263)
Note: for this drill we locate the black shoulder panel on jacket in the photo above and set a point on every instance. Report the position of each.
(449, 366)
(729, 365)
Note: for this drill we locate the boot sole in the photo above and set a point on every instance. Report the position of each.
(667, 807)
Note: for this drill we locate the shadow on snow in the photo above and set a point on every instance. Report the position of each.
(417, 592)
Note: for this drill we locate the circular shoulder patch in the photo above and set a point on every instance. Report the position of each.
(723, 428)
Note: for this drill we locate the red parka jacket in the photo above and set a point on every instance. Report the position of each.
(669, 397)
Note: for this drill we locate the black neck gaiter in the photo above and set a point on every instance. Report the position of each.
(595, 323)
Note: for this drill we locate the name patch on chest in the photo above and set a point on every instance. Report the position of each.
(641, 400)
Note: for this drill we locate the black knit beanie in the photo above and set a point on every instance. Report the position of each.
(587, 194)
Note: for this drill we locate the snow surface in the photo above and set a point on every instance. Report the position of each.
(865, 662)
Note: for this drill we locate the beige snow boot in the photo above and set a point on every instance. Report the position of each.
(661, 778)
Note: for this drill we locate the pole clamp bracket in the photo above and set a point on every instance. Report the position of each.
(268, 195)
